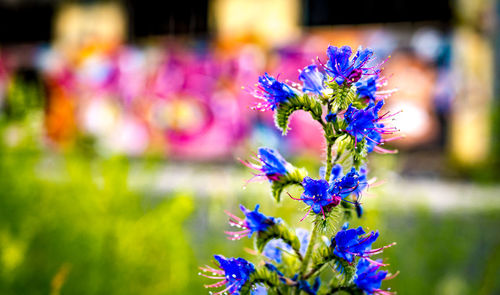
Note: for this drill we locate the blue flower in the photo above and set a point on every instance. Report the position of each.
(316, 195)
(368, 278)
(306, 287)
(366, 124)
(351, 242)
(343, 186)
(313, 79)
(232, 272)
(272, 92)
(342, 69)
(367, 88)
(304, 236)
(274, 249)
(270, 164)
(362, 181)
(259, 290)
(254, 222)
(331, 117)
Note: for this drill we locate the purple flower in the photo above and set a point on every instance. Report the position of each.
(272, 92)
(351, 242)
(367, 88)
(232, 272)
(367, 124)
(254, 222)
(304, 237)
(314, 80)
(331, 117)
(343, 186)
(316, 195)
(270, 164)
(343, 69)
(259, 290)
(274, 249)
(369, 279)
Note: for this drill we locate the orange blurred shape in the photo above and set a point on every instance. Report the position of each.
(60, 117)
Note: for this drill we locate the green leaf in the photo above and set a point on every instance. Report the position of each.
(262, 275)
(277, 231)
(303, 102)
(294, 176)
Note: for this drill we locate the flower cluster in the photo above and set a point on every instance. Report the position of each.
(367, 124)
(272, 92)
(270, 164)
(345, 97)
(369, 279)
(353, 242)
(232, 272)
(322, 195)
(344, 69)
(254, 222)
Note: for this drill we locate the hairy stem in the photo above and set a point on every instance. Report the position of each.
(310, 247)
(329, 162)
(317, 268)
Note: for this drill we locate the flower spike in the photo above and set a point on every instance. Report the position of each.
(369, 279)
(354, 242)
(254, 222)
(272, 92)
(314, 80)
(367, 124)
(270, 164)
(232, 272)
(343, 69)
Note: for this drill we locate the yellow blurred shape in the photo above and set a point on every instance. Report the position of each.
(78, 26)
(59, 279)
(12, 252)
(470, 128)
(270, 22)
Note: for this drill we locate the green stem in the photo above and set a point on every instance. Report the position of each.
(310, 247)
(312, 240)
(318, 267)
(329, 162)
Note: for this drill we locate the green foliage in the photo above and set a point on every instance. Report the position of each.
(261, 276)
(302, 102)
(294, 177)
(278, 231)
(78, 229)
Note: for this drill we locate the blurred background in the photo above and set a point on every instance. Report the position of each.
(121, 123)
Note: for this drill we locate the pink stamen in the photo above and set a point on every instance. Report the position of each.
(300, 199)
(382, 292)
(392, 276)
(223, 291)
(236, 218)
(393, 138)
(384, 151)
(237, 232)
(211, 277)
(375, 262)
(309, 211)
(216, 285)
